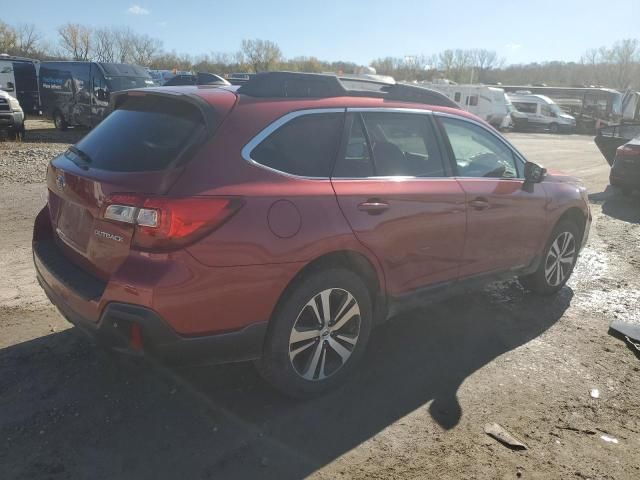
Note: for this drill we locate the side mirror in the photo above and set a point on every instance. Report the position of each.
(534, 173)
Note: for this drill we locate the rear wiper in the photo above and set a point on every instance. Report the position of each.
(85, 157)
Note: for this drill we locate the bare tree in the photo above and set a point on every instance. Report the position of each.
(104, 45)
(123, 42)
(8, 40)
(75, 41)
(262, 55)
(484, 60)
(625, 55)
(27, 39)
(144, 48)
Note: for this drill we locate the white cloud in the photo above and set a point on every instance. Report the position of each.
(163, 24)
(138, 10)
(513, 46)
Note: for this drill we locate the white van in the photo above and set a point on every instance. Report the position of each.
(540, 112)
(485, 102)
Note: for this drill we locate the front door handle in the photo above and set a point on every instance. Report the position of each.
(479, 203)
(373, 206)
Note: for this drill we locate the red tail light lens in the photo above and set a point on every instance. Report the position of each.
(163, 223)
(628, 151)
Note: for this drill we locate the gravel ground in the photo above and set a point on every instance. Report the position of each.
(432, 378)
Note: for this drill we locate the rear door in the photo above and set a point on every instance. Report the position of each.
(505, 218)
(138, 149)
(398, 196)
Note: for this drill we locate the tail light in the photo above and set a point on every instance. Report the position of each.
(163, 223)
(628, 150)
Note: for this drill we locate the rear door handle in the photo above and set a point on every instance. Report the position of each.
(479, 203)
(373, 206)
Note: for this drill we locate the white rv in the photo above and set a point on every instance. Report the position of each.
(540, 112)
(485, 102)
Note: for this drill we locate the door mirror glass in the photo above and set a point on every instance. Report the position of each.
(533, 172)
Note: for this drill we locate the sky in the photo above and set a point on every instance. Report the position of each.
(353, 30)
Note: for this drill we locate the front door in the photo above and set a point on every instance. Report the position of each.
(505, 217)
(396, 191)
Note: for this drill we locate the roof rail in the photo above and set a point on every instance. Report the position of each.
(316, 85)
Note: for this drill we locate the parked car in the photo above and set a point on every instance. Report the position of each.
(279, 222)
(625, 171)
(77, 93)
(200, 78)
(11, 116)
(540, 113)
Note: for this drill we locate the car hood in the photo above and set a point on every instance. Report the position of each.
(556, 176)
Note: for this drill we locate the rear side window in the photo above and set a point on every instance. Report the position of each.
(144, 134)
(526, 107)
(305, 146)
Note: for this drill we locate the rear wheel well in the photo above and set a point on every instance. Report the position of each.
(347, 259)
(576, 216)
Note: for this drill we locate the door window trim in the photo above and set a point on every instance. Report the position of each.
(452, 159)
(275, 125)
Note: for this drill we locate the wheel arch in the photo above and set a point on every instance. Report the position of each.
(577, 216)
(357, 262)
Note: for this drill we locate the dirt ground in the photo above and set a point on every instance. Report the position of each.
(431, 379)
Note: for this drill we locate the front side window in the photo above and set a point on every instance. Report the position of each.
(305, 146)
(403, 145)
(478, 153)
(472, 100)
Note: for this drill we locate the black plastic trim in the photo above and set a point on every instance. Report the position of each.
(75, 278)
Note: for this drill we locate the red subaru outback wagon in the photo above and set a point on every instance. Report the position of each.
(279, 222)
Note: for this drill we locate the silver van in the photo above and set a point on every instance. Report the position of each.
(540, 113)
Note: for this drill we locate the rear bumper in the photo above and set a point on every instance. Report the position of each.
(160, 341)
(625, 175)
(84, 301)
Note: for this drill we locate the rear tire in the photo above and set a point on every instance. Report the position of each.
(558, 260)
(59, 121)
(626, 191)
(18, 133)
(307, 353)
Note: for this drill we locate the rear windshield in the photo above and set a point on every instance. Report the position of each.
(145, 133)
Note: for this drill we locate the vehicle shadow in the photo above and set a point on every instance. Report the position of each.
(616, 205)
(68, 408)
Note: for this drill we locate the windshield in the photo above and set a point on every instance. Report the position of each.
(125, 83)
(556, 109)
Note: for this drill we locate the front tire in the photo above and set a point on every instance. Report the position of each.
(318, 334)
(558, 260)
(59, 121)
(553, 128)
